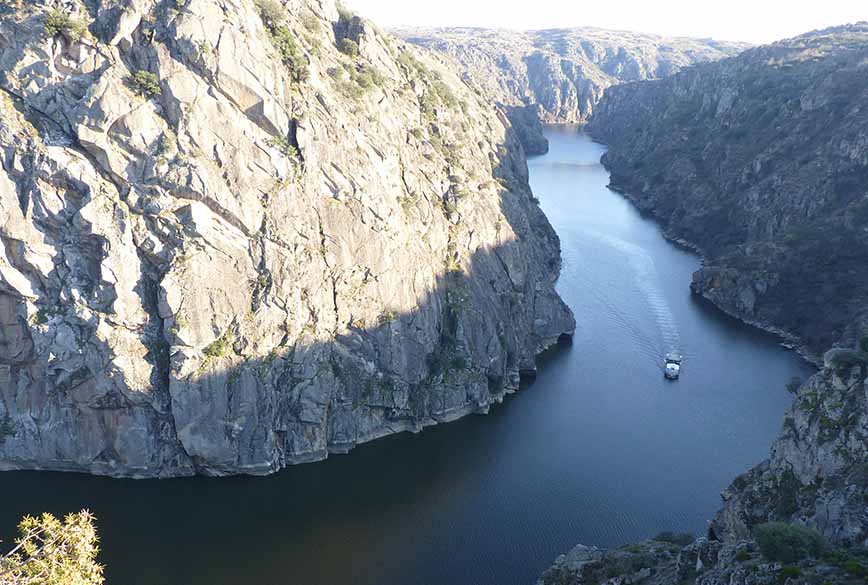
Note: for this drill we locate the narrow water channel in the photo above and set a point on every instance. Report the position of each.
(599, 450)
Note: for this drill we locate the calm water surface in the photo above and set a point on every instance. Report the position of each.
(600, 450)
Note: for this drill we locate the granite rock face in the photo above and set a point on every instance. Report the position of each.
(817, 474)
(761, 161)
(562, 73)
(239, 235)
(703, 562)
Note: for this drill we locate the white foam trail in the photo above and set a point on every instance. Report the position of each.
(648, 282)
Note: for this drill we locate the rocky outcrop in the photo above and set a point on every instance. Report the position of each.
(562, 72)
(703, 562)
(239, 235)
(817, 474)
(761, 161)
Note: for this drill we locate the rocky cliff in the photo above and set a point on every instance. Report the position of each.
(761, 161)
(817, 476)
(242, 234)
(560, 74)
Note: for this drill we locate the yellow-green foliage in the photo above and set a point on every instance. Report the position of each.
(358, 80)
(274, 18)
(219, 348)
(53, 552)
(146, 84)
(436, 93)
(58, 22)
(283, 145)
(349, 47)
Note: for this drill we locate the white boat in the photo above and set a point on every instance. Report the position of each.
(673, 365)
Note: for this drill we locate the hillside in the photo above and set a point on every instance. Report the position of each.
(241, 235)
(559, 75)
(762, 162)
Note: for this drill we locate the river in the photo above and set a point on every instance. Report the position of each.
(599, 450)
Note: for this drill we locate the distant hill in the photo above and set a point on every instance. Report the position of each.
(561, 72)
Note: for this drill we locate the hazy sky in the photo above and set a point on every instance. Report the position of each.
(755, 21)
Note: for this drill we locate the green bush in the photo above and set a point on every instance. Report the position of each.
(270, 11)
(287, 149)
(679, 538)
(788, 543)
(58, 22)
(349, 47)
(219, 347)
(146, 84)
(742, 555)
(359, 80)
(274, 18)
(789, 572)
(863, 344)
(854, 567)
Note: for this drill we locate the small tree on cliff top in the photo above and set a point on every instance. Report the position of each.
(53, 552)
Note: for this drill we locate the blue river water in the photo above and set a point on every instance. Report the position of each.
(600, 449)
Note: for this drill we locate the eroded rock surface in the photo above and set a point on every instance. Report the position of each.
(704, 562)
(241, 235)
(761, 161)
(561, 74)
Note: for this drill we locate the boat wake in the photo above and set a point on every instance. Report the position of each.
(645, 274)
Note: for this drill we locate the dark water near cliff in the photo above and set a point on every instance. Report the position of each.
(600, 450)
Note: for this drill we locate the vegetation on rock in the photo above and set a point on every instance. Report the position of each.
(58, 22)
(273, 16)
(50, 551)
(759, 161)
(146, 84)
(788, 543)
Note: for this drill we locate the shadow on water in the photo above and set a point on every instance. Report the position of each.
(599, 449)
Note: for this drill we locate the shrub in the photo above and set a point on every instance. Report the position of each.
(349, 47)
(283, 145)
(863, 344)
(679, 538)
(218, 348)
(789, 572)
(854, 567)
(58, 22)
(270, 11)
(742, 555)
(360, 80)
(146, 84)
(310, 21)
(54, 551)
(274, 18)
(788, 543)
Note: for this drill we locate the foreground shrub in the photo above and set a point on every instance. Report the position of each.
(788, 543)
(53, 552)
